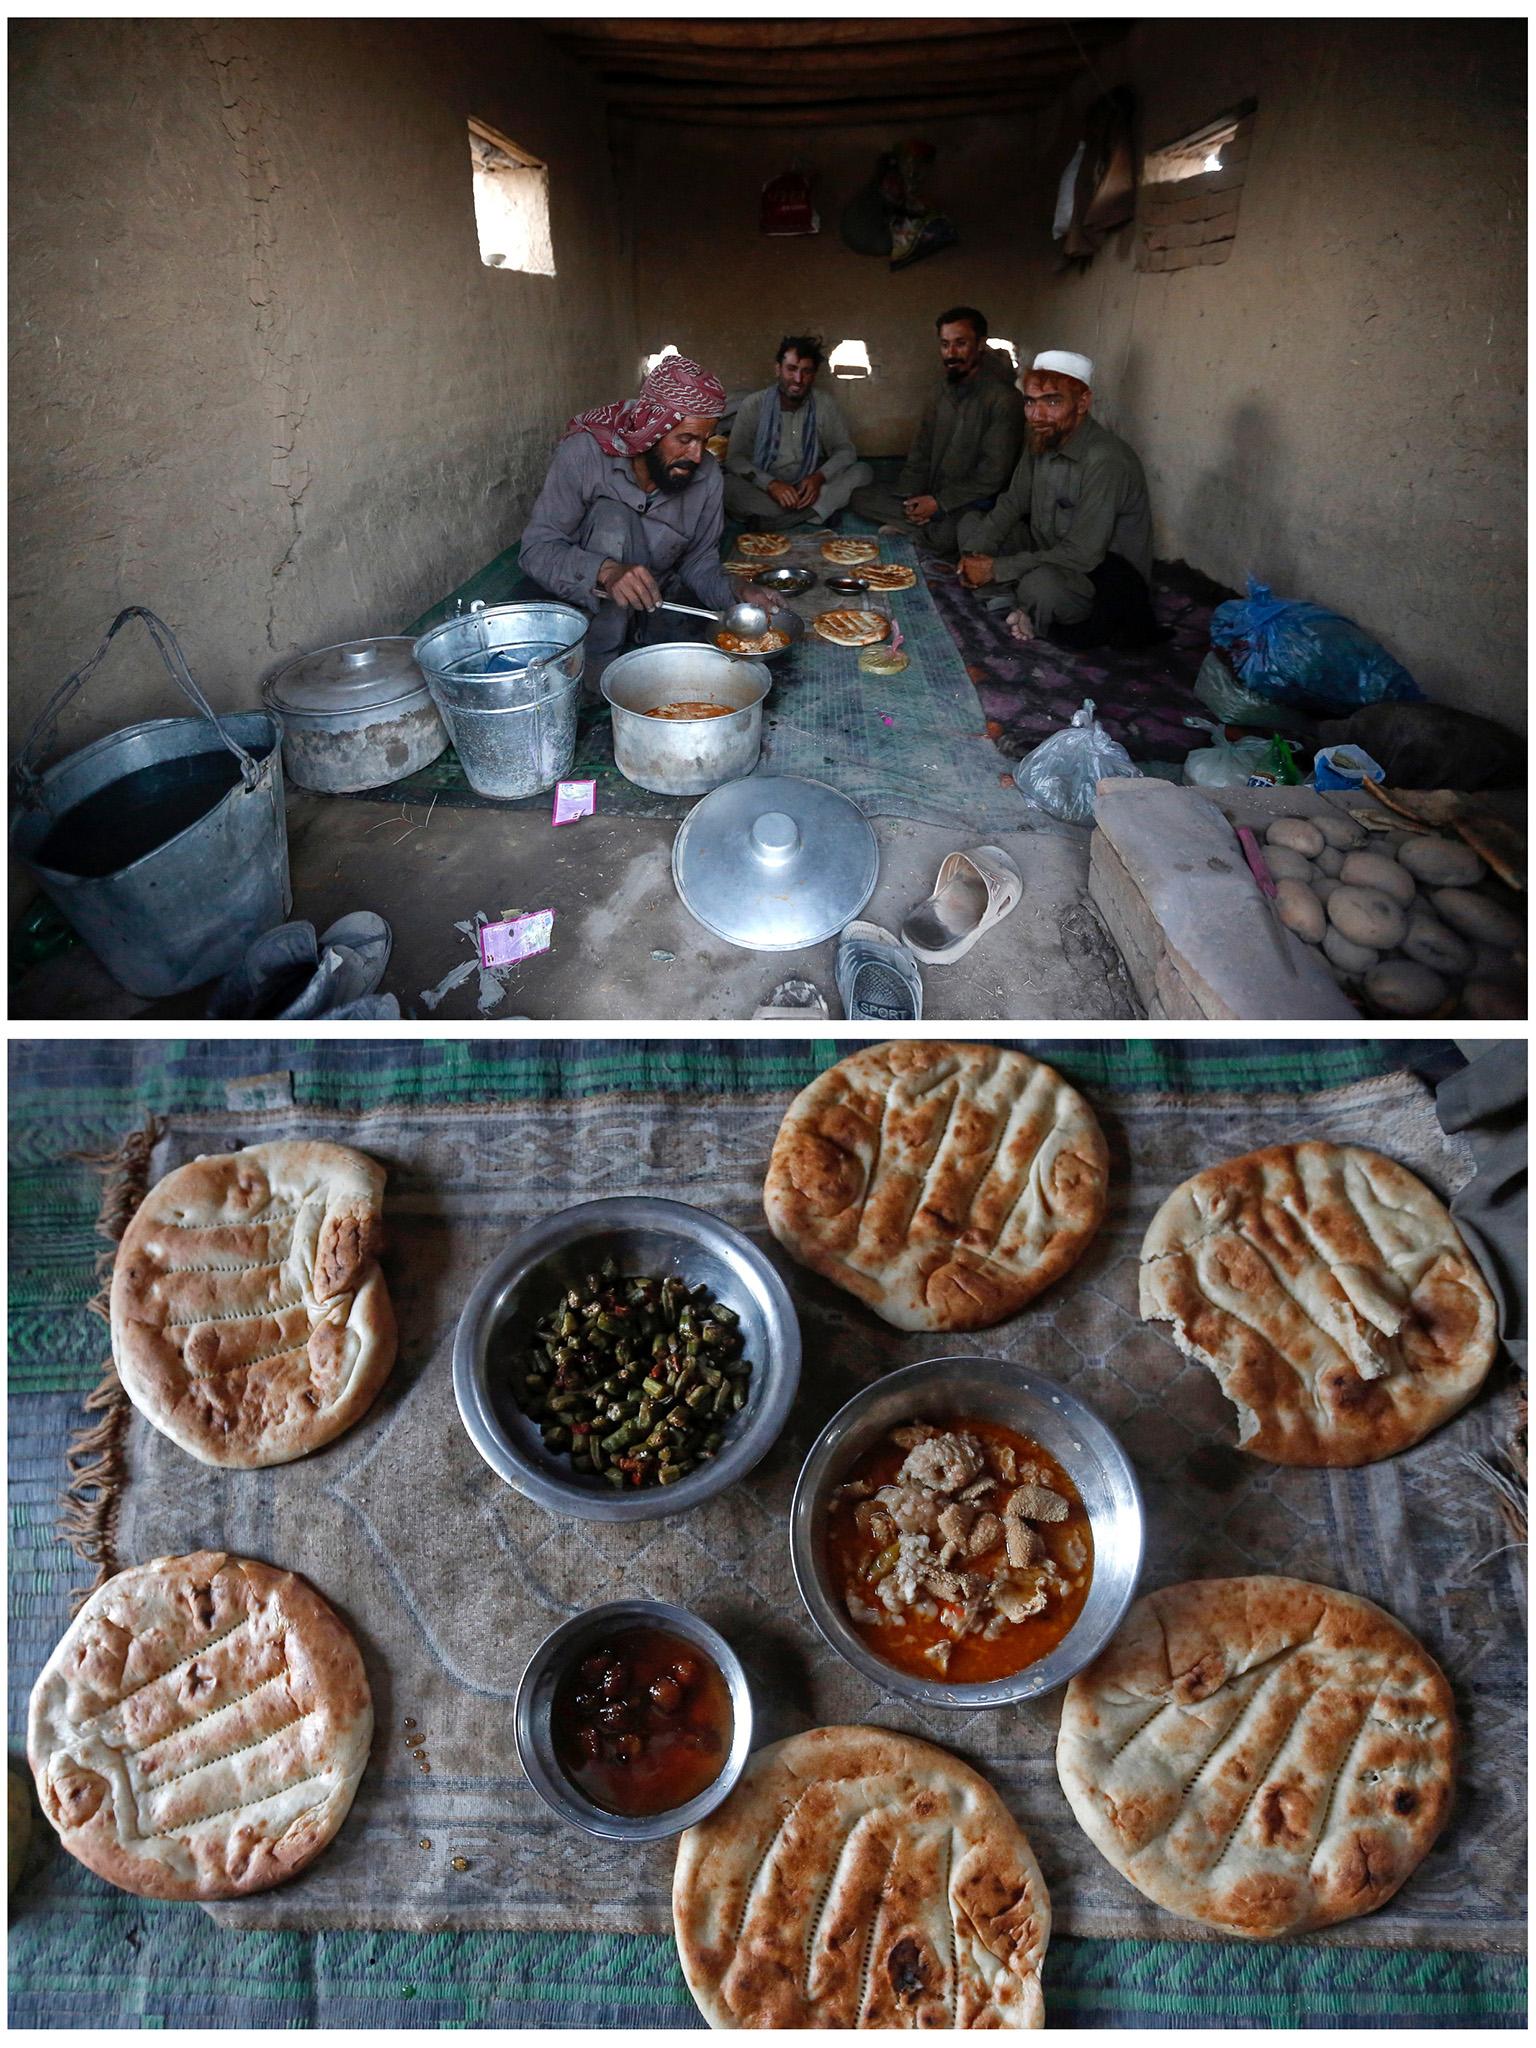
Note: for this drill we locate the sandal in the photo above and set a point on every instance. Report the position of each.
(876, 977)
(973, 892)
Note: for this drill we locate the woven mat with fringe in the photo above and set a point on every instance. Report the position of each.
(443, 1168)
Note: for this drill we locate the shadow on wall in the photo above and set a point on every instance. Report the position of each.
(1242, 497)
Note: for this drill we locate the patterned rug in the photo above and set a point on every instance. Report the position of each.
(82, 1954)
(1029, 690)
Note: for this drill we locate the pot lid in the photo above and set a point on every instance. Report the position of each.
(775, 862)
(355, 675)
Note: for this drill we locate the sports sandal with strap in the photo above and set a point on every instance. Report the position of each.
(877, 978)
(974, 891)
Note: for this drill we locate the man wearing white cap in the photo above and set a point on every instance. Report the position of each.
(1071, 537)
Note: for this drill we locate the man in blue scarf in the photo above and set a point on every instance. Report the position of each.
(791, 460)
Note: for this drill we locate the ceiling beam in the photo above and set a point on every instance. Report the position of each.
(889, 55)
(842, 92)
(838, 70)
(775, 35)
(859, 114)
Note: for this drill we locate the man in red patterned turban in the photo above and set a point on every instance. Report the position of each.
(633, 506)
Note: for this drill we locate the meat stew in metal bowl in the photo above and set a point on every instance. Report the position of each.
(961, 1552)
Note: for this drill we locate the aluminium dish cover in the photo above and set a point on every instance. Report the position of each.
(775, 862)
(353, 677)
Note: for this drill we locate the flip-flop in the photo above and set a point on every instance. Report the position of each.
(974, 891)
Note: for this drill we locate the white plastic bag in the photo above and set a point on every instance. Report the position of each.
(1063, 772)
(1224, 764)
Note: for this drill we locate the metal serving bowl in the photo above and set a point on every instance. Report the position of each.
(990, 1390)
(786, 582)
(535, 1699)
(643, 1234)
(851, 584)
(780, 619)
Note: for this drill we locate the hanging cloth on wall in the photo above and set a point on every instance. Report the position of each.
(786, 207)
(889, 218)
(1104, 190)
(1065, 192)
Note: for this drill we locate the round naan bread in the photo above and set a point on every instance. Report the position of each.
(763, 544)
(859, 1878)
(851, 551)
(201, 1729)
(250, 1321)
(1261, 1754)
(1329, 1292)
(944, 1185)
(889, 576)
(853, 627)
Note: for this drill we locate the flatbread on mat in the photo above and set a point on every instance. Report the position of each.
(853, 627)
(889, 576)
(201, 1728)
(250, 1320)
(1262, 1754)
(945, 1185)
(859, 1878)
(1330, 1293)
(763, 544)
(850, 551)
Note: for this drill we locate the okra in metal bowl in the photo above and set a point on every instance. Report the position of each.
(626, 1359)
(636, 1375)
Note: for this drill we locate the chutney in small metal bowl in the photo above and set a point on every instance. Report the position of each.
(634, 1720)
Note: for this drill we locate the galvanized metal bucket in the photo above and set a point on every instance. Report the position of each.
(507, 680)
(186, 909)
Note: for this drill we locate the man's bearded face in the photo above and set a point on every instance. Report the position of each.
(672, 463)
(1053, 406)
(797, 374)
(960, 346)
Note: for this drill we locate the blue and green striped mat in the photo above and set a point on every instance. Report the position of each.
(82, 1954)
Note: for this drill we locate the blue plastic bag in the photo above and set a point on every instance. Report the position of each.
(1295, 653)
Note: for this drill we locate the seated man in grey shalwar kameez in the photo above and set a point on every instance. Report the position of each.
(632, 509)
(1068, 546)
(966, 446)
(791, 458)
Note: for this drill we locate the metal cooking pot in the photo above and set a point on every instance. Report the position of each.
(355, 716)
(685, 756)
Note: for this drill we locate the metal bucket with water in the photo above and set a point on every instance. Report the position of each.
(507, 680)
(165, 844)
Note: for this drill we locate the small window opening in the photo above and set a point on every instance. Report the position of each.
(1005, 348)
(511, 204)
(849, 359)
(1192, 155)
(1191, 193)
(648, 363)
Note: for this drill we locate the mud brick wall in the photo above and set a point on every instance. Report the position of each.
(261, 380)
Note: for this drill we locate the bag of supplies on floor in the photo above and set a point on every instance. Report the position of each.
(1063, 773)
(1296, 653)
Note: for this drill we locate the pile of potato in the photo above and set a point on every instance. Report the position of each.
(1401, 922)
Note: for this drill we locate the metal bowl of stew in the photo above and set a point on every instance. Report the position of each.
(944, 1390)
(644, 1235)
(543, 1703)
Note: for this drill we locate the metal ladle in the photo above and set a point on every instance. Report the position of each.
(747, 619)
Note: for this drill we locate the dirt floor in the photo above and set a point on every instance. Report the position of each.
(624, 946)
